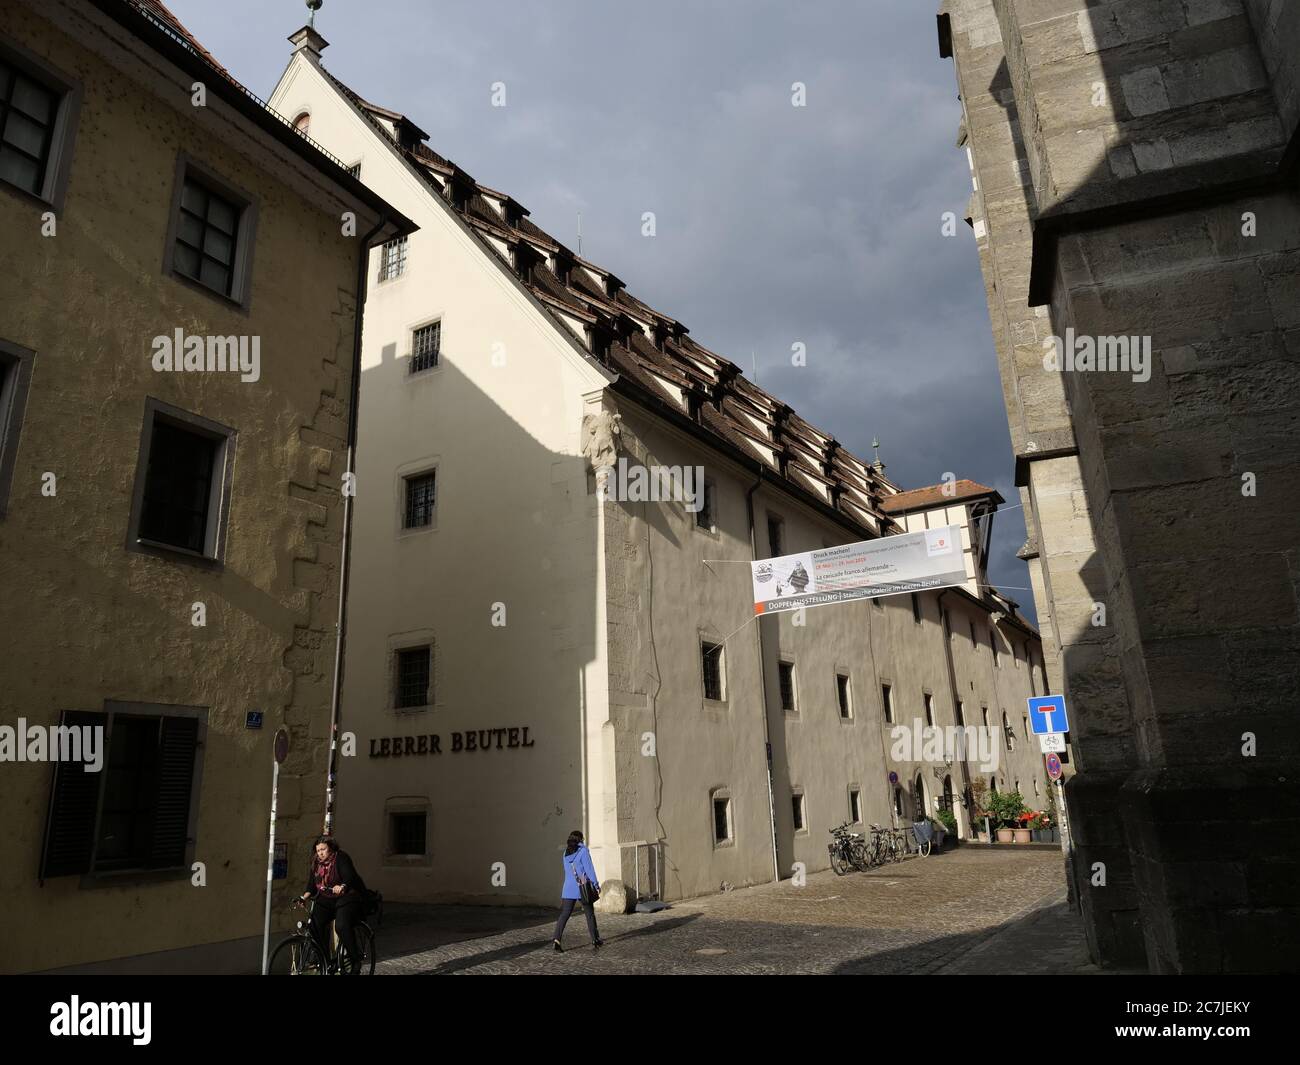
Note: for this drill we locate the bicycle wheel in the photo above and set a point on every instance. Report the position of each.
(838, 862)
(297, 956)
(859, 856)
(923, 849)
(365, 941)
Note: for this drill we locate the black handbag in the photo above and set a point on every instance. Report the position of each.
(589, 891)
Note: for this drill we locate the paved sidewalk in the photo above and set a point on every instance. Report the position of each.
(972, 910)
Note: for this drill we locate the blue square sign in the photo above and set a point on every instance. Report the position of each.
(1047, 715)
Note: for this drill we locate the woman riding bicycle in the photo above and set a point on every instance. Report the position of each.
(339, 891)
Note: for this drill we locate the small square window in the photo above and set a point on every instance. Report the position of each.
(786, 672)
(420, 501)
(392, 259)
(206, 237)
(887, 703)
(797, 809)
(721, 819)
(711, 661)
(413, 677)
(704, 518)
(409, 833)
(842, 694)
(426, 344)
(855, 806)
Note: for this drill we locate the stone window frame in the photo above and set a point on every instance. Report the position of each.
(404, 472)
(793, 709)
(241, 281)
(410, 641)
(14, 387)
(799, 795)
(709, 508)
(406, 804)
(886, 700)
(213, 555)
(707, 638)
(58, 163)
(854, 792)
(423, 322)
(722, 793)
(847, 674)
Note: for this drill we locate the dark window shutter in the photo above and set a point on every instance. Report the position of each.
(74, 797)
(177, 746)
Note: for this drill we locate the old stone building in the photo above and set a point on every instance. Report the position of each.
(1135, 210)
(178, 315)
(523, 659)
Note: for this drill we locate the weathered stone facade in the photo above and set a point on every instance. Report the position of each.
(1134, 165)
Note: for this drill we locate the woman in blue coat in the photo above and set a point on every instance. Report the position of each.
(578, 871)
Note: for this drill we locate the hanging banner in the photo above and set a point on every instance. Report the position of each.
(892, 565)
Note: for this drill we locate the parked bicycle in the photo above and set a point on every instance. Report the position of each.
(848, 850)
(299, 954)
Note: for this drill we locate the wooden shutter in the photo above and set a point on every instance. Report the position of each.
(176, 749)
(74, 799)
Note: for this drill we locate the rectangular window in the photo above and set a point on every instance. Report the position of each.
(413, 677)
(993, 645)
(15, 374)
(775, 535)
(796, 808)
(704, 516)
(408, 833)
(207, 237)
(139, 812)
(711, 661)
(973, 641)
(426, 342)
(721, 819)
(887, 703)
(38, 111)
(420, 501)
(355, 170)
(786, 672)
(916, 608)
(842, 694)
(182, 483)
(855, 806)
(961, 715)
(392, 259)
(929, 709)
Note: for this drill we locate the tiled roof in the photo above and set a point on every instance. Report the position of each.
(160, 12)
(652, 352)
(936, 495)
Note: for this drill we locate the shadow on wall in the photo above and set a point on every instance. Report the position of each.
(512, 539)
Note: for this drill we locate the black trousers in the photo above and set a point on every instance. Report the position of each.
(345, 912)
(566, 911)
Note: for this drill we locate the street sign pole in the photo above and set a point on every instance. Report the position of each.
(281, 750)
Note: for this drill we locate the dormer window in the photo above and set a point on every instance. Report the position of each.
(459, 191)
(526, 259)
(599, 339)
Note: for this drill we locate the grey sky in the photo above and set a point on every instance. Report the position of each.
(775, 224)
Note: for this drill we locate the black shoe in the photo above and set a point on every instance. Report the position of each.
(556, 944)
(597, 943)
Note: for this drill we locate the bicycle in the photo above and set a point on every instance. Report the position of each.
(298, 954)
(924, 836)
(847, 850)
(887, 845)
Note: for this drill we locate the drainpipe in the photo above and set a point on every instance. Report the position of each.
(363, 277)
(762, 681)
(952, 686)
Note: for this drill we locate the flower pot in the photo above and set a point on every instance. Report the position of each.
(982, 836)
(1006, 835)
(1036, 835)
(1052, 832)
(1022, 835)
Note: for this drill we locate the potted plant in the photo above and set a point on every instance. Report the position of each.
(1006, 808)
(1023, 830)
(949, 822)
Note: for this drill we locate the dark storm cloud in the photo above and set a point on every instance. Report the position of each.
(775, 224)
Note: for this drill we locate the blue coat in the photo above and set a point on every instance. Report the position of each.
(576, 864)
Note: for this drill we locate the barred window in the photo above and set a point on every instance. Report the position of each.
(420, 500)
(392, 259)
(409, 833)
(28, 111)
(413, 677)
(711, 659)
(426, 343)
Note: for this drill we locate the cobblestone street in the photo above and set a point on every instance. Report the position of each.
(972, 910)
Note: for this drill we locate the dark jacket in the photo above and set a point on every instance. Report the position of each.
(348, 876)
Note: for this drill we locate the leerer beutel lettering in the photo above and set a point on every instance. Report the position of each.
(484, 739)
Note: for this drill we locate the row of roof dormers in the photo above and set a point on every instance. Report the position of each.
(650, 350)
